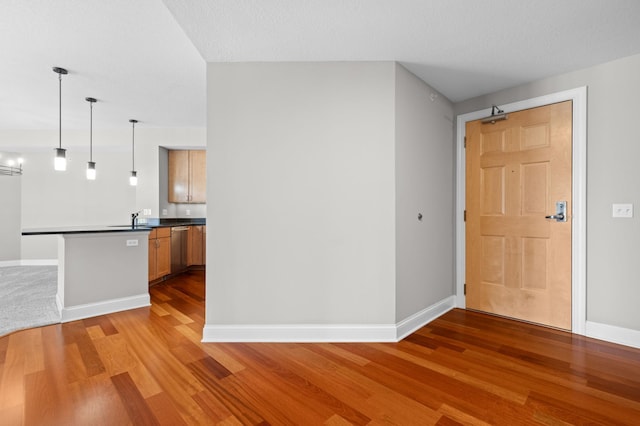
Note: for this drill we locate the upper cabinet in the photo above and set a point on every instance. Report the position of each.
(187, 176)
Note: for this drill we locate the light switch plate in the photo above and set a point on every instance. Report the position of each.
(622, 210)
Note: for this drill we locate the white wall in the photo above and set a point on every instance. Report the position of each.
(613, 176)
(52, 199)
(424, 184)
(301, 167)
(10, 206)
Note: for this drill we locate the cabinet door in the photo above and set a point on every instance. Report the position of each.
(153, 263)
(164, 256)
(198, 176)
(178, 176)
(196, 245)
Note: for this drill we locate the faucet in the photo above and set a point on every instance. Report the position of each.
(134, 219)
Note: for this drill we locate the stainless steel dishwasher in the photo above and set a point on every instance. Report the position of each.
(178, 248)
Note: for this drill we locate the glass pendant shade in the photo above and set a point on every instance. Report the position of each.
(91, 170)
(60, 162)
(133, 179)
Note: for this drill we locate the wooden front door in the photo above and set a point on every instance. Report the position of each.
(518, 263)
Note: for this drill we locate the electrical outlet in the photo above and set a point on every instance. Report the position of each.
(132, 243)
(622, 210)
(188, 213)
(146, 212)
(164, 212)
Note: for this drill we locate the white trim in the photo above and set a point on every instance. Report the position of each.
(326, 333)
(611, 333)
(59, 304)
(88, 310)
(425, 316)
(29, 262)
(579, 194)
(299, 333)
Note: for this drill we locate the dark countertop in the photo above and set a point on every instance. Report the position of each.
(163, 223)
(84, 230)
(148, 226)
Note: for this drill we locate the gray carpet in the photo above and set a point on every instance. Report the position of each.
(27, 297)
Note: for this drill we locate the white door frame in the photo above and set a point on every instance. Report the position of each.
(579, 192)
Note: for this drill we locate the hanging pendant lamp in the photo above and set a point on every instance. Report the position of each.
(60, 162)
(91, 165)
(133, 179)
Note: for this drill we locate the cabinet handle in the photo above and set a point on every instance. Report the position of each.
(157, 244)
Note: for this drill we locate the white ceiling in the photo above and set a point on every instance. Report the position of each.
(138, 57)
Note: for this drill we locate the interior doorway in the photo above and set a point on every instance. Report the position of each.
(578, 196)
(518, 215)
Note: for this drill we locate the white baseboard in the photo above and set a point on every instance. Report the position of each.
(299, 333)
(326, 333)
(425, 316)
(29, 262)
(72, 313)
(613, 334)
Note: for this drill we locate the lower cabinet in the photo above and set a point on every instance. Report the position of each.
(159, 253)
(160, 250)
(196, 245)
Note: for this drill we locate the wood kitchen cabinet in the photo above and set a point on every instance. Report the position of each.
(196, 237)
(187, 176)
(159, 253)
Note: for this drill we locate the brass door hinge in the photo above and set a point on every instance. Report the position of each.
(465, 141)
(465, 289)
(465, 215)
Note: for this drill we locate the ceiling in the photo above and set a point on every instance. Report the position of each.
(146, 59)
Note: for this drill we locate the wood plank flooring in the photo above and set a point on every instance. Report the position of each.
(148, 367)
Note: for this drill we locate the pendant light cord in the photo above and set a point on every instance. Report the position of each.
(133, 145)
(90, 131)
(60, 110)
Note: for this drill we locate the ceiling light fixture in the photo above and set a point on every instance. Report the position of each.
(60, 162)
(11, 167)
(496, 115)
(133, 179)
(91, 165)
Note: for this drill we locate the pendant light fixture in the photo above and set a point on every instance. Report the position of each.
(91, 165)
(133, 179)
(60, 162)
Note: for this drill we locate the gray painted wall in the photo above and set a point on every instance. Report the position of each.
(613, 176)
(319, 171)
(424, 184)
(301, 166)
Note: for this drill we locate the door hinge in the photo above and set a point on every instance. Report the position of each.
(465, 216)
(465, 289)
(465, 141)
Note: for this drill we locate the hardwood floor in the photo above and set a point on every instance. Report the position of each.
(147, 366)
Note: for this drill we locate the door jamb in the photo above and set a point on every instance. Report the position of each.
(579, 192)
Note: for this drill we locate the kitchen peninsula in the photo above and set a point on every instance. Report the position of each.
(101, 269)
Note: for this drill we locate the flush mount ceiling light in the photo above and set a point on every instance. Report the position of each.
(133, 179)
(91, 165)
(496, 115)
(60, 162)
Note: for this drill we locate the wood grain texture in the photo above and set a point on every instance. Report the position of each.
(148, 366)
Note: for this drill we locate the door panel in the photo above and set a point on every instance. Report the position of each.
(518, 262)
